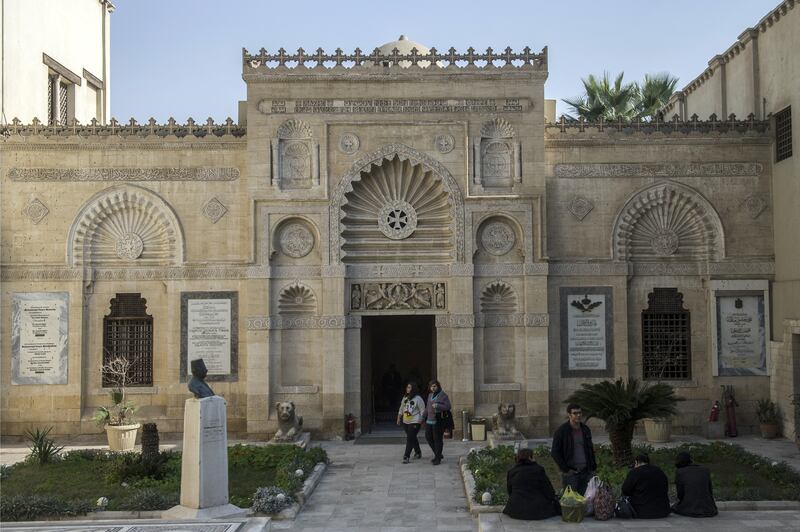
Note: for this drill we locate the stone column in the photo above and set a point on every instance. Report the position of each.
(333, 352)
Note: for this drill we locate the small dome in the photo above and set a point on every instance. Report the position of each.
(404, 46)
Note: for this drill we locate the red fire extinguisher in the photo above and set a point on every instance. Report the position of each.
(730, 403)
(349, 427)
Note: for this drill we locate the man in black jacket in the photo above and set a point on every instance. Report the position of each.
(648, 489)
(693, 483)
(573, 451)
(530, 493)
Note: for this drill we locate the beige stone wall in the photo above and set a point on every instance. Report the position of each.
(786, 378)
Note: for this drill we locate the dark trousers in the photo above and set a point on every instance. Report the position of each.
(578, 481)
(434, 437)
(412, 443)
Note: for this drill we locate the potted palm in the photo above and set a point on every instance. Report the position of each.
(768, 417)
(620, 404)
(118, 418)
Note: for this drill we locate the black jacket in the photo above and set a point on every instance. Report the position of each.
(563, 446)
(695, 496)
(648, 488)
(530, 493)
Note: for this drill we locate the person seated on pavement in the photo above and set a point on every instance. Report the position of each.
(693, 483)
(648, 489)
(530, 493)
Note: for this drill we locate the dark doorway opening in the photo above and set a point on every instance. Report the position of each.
(395, 350)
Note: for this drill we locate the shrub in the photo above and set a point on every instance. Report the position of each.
(43, 449)
(767, 411)
(31, 507)
(271, 500)
(149, 499)
(127, 467)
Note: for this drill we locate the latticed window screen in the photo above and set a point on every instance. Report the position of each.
(666, 336)
(51, 112)
(128, 333)
(783, 134)
(62, 103)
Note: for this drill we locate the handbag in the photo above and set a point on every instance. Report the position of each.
(445, 417)
(624, 509)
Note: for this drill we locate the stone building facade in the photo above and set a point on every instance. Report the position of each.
(401, 214)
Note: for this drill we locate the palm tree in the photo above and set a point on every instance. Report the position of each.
(604, 99)
(621, 404)
(614, 100)
(654, 93)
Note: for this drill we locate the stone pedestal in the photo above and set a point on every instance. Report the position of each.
(204, 467)
(496, 441)
(302, 441)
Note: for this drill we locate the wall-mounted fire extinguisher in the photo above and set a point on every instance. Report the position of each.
(349, 427)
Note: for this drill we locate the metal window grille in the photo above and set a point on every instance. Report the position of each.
(666, 336)
(62, 103)
(51, 113)
(783, 134)
(128, 333)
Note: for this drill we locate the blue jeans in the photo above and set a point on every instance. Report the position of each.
(577, 481)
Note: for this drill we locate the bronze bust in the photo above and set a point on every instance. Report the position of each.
(197, 385)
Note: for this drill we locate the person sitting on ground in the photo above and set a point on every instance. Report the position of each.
(693, 482)
(530, 493)
(648, 489)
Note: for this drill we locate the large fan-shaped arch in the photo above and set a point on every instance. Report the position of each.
(397, 206)
(668, 221)
(125, 225)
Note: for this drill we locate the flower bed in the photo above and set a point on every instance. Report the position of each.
(736, 474)
(74, 484)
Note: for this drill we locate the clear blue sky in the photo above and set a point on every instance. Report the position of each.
(182, 58)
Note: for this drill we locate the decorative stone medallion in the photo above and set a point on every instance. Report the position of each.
(214, 210)
(444, 143)
(580, 207)
(665, 242)
(129, 246)
(296, 240)
(36, 211)
(498, 238)
(754, 205)
(349, 143)
(397, 219)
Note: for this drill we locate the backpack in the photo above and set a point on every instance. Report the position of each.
(603, 502)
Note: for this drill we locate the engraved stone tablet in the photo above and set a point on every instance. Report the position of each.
(209, 323)
(741, 335)
(586, 331)
(39, 337)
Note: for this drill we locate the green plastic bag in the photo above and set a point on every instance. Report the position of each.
(573, 506)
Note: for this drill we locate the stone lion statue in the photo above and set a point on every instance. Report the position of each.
(290, 425)
(503, 422)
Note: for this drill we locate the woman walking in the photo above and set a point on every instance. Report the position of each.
(436, 412)
(410, 414)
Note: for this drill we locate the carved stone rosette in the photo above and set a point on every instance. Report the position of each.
(398, 296)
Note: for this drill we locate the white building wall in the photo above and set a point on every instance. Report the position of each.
(76, 33)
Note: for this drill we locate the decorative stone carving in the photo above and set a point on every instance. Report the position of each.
(498, 297)
(580, 207)
(397, 219)
(290, 425)
(444, 142)
(500, 320)
(214, 210)
(402, 296)
(349, 143)
(537, 320)
(504, 422)
(355, 297)
(459, 321)
(496, 155)
(296, 240)
(498, 238)
(658, 170)
(296, 299)
(125, 222)
(129, 246)
(754, 205)
(35, 211)
(397, 192)
(202, 173)
(399, 161)
(305, 322)
(668, 220)
(295, 156)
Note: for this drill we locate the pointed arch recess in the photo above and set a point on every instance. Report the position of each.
(376, 159)
(668, 221)
(126, 225)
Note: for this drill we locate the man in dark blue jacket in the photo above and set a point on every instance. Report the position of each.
(573, 451)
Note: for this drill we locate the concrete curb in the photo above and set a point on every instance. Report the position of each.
(475, 508)
(250, 524)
